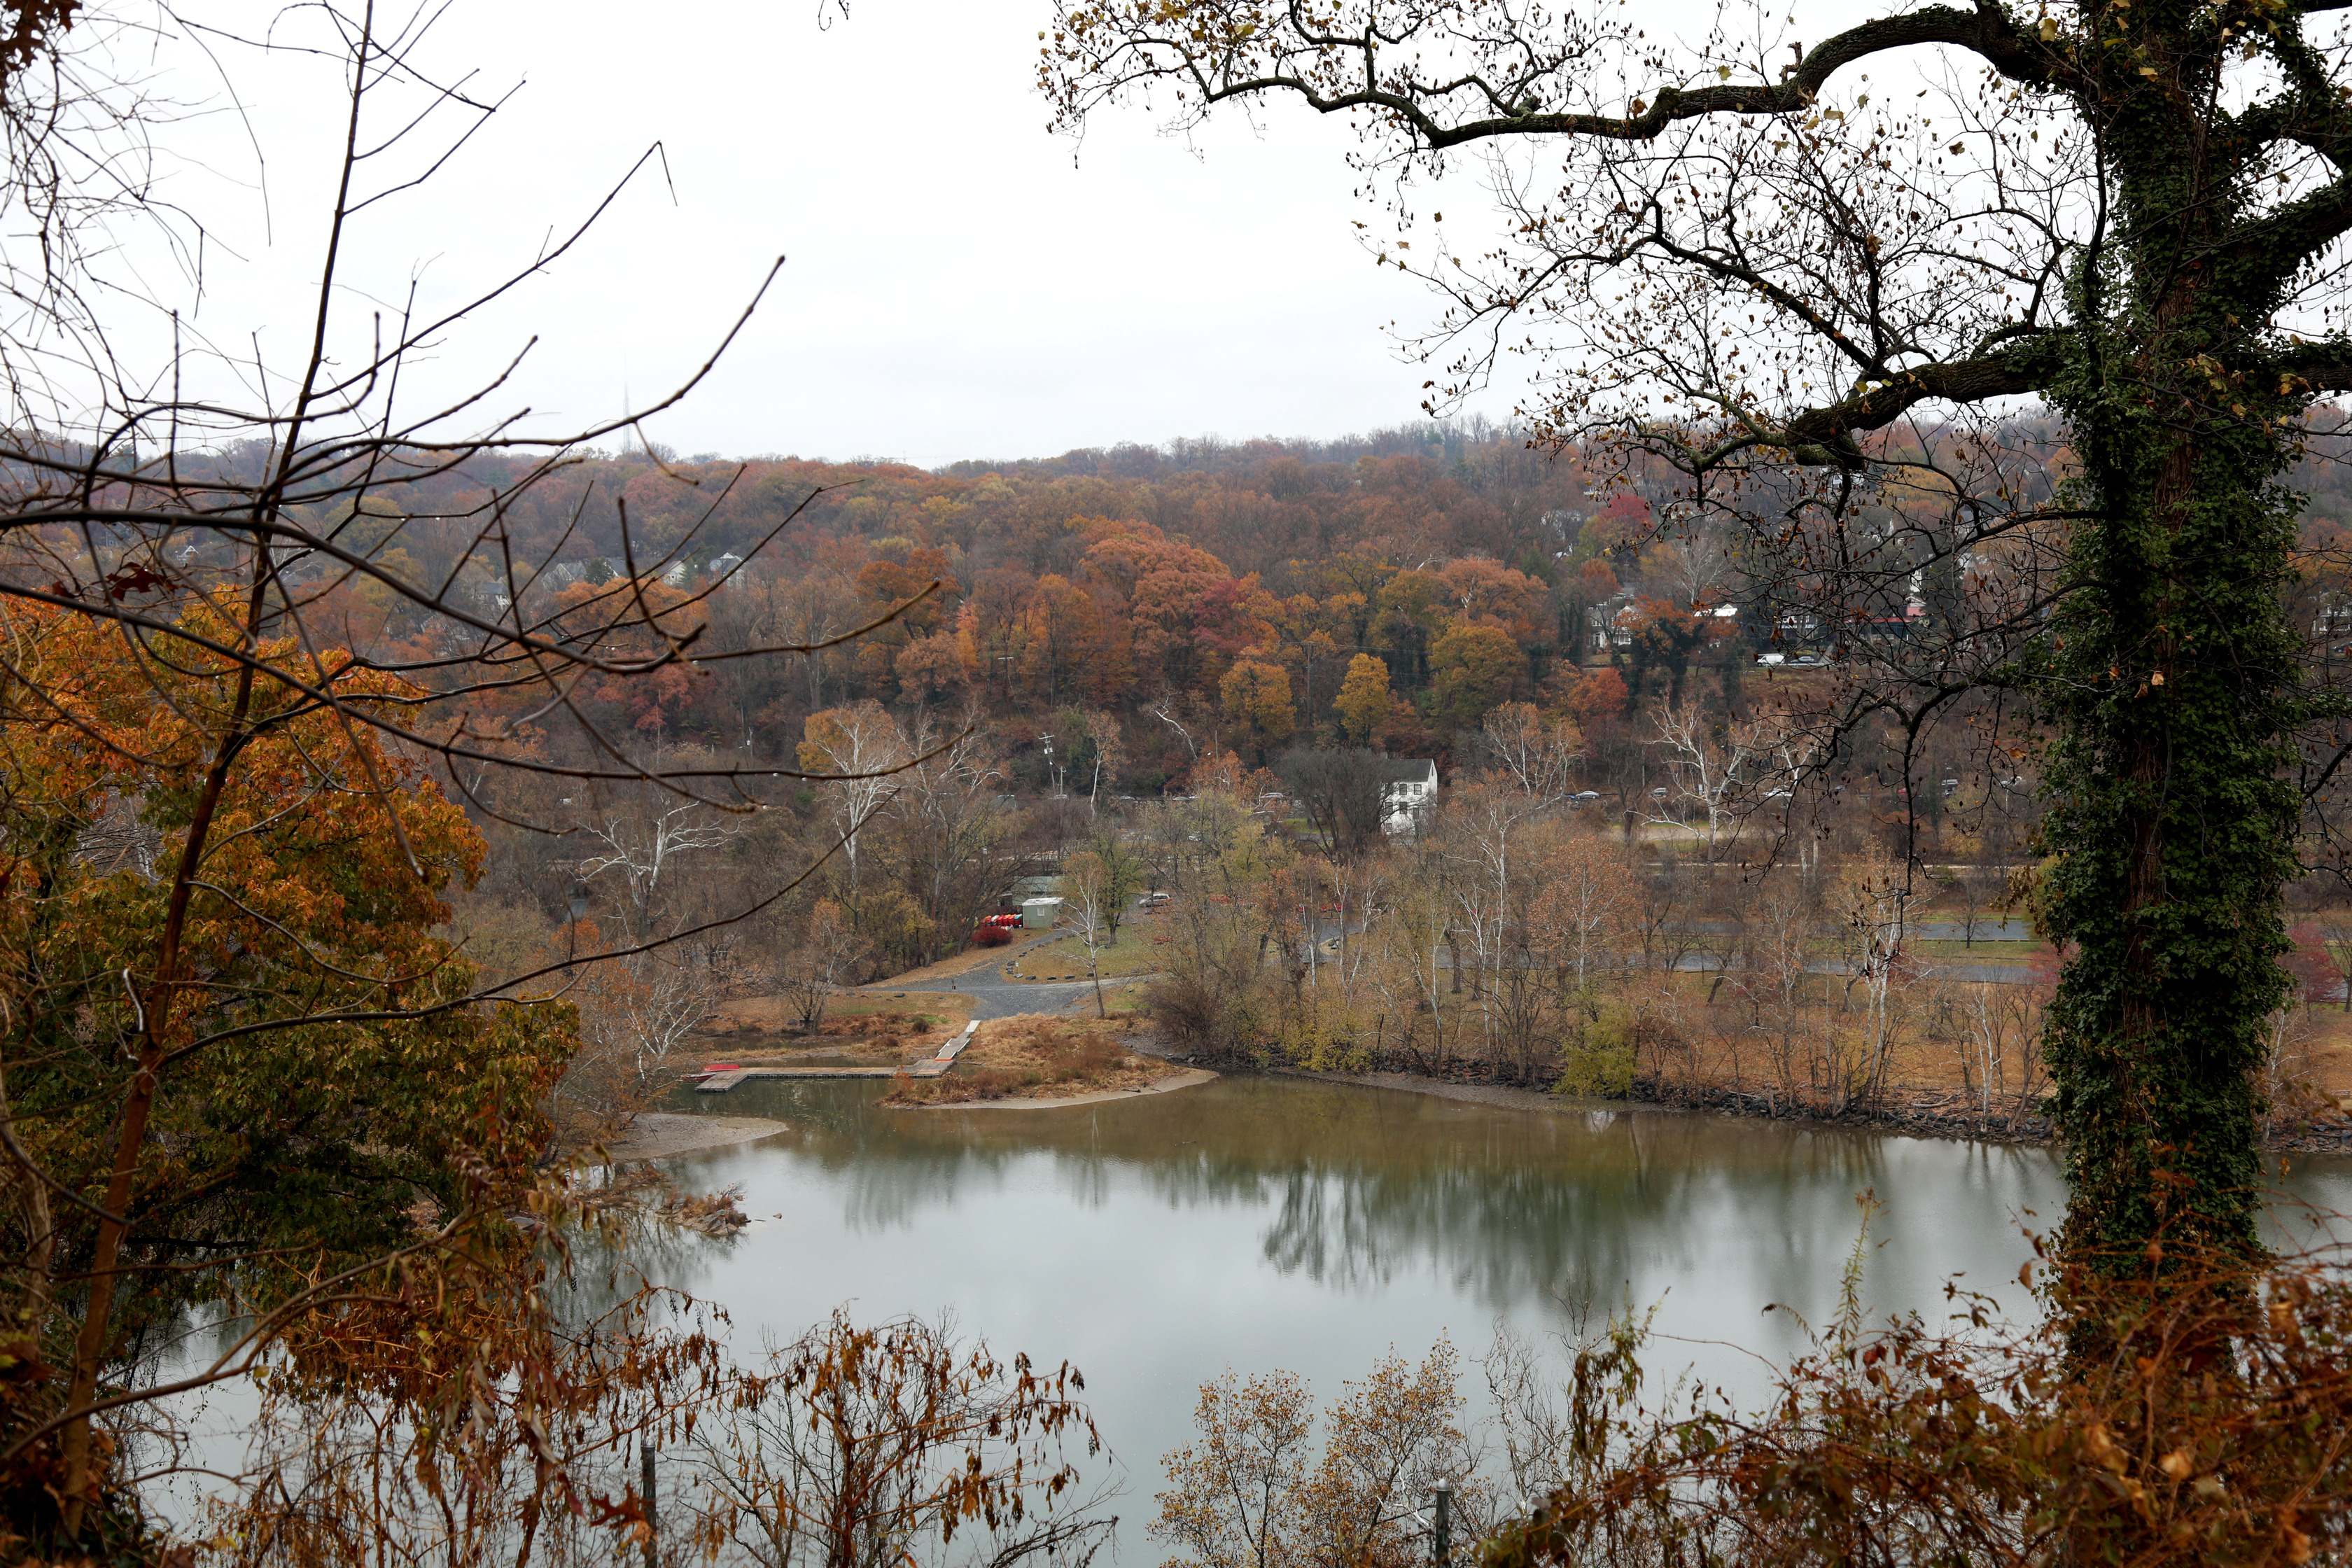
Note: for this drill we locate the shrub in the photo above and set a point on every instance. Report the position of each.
(1600, 1061)
(2169, 1408)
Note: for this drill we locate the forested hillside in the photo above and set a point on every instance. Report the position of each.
(1228, 587)
(1021, 649)
(1205, 597)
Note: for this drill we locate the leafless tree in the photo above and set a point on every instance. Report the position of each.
(1873, 906)
(868, 1448)
(1712, 762)
(1539, 754)
(1780, 950)
(857, 751)
(641, 845)
(826, 950)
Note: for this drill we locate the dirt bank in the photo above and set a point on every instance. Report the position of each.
(661, 1135)
(1187, 1078)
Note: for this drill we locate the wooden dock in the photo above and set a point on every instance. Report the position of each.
(720, 1083)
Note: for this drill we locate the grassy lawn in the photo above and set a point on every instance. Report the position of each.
(1981, 951)
(1135, 952)
(939, 1009)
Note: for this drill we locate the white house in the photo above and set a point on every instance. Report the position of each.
(1408, 792)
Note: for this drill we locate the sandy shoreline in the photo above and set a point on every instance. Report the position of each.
(1186, 1080)
(661, 1135)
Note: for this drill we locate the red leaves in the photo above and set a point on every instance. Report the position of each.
(134, 578)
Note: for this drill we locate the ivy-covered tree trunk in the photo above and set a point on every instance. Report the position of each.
(2173, 687)
(2173, 822)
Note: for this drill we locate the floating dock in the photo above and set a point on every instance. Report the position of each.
(727, 1075)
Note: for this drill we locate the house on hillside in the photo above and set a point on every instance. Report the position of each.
(1408, 792)
(1613, 622)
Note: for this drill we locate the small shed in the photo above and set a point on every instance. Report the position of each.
(1040, 914)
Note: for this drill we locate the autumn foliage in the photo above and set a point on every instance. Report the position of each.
(231, 1022)
(2165, 1410)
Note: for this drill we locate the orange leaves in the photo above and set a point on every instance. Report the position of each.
(1257, 697)
(1363, 700)
(317, 1077)
(2195, 1421)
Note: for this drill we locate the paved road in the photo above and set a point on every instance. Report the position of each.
(1990, 973)
(993, 997)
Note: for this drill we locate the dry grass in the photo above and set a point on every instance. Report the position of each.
(1035, 1057)
(849, 1011)
(1726, 1044)
(846, 1039)
(2328, 1048)
(971, 958)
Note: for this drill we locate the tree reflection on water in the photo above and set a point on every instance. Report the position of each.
(1361, 1185)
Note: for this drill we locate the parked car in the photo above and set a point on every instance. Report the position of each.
(1772, 658)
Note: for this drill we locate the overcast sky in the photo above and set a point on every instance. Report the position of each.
(960, 283)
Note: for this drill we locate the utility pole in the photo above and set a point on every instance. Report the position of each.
(1440, 1538)
(646, 1477)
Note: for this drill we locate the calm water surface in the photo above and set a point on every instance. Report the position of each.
(1263, 1223)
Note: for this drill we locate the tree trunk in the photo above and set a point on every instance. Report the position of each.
(2174, 822)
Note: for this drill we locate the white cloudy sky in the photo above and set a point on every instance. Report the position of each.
(960, 283)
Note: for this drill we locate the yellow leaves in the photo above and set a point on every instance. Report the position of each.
(2049, 29)
(2102, 1450)
(2178, 1464)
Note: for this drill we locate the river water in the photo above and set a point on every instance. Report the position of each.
(1254, 1223)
